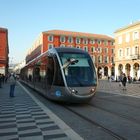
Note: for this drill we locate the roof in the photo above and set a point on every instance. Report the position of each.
(128, 26)
(3, 29)
(78, 34)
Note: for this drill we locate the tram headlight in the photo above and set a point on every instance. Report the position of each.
(92, 90)
(73, 91)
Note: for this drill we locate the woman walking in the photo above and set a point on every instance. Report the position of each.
(124, 80)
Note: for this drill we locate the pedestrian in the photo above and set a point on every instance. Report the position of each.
(0, 80)
(6, 78)
(120, 80)
(129, 79)
(108, 78)
(124, 80)
(12, 81)
(3, 78)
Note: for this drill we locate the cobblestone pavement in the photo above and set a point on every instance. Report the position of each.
(133, 89)
(24, 118)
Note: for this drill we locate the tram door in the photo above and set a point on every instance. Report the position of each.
(49, 72)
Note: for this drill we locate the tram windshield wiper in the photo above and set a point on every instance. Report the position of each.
(70, 61)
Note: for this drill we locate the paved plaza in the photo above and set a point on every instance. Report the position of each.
(133, 89)
(23, 117)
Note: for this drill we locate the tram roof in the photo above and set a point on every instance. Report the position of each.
(69, 49)
(58, 49)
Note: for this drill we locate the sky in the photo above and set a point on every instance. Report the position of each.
(26, 19)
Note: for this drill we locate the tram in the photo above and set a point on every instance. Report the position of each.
(62, 74)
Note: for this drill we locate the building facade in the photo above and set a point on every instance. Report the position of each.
(100, 47)
(127, 49)
(4, 51)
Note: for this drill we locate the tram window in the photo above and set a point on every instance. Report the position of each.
(58, 80)
(50, 70)
(81, 73)
(37, 77)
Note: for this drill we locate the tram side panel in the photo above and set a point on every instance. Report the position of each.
(45, 74)
(34, 75)
(40, 75)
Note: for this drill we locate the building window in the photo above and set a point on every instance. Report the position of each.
(112, 60)
(106, 50)
(120, 40)
(78, 47)
(70, 39)
(62, 39)
(105, 42)
(112, 51)
(112, 43)
(127, 51)
(92, 49)
(98, 50)
(135, 35)
(127, 38)
(120, 53)
(50, 46)
(78, 40)
(92, 41)
(99, 42)
(50, 38)
(136, 50)
(85, 41)
(106, 59)
(86, 48)
(100, 59)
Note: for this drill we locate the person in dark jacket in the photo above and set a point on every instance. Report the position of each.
(124, 80)
(0, 80)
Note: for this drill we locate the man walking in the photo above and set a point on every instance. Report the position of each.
(12, 81)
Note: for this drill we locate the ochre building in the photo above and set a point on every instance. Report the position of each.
(100, 47)
(127, 50)
(4, 51)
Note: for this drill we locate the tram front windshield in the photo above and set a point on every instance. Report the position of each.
(78, 69)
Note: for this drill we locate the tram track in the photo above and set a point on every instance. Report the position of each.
(89, 114)
(115, 113)
(118, 102)
(106, 130)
